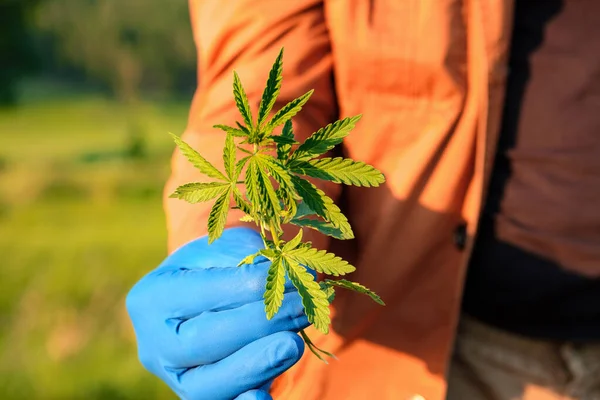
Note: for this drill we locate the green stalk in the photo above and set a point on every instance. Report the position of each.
(262, 234)
(314, 349)
(274, 235)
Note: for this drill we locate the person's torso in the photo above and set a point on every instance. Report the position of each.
(536, 262)
(426, 75)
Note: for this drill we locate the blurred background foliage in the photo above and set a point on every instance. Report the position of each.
(88, 90)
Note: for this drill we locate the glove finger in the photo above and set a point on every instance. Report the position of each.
(185, 293)
(249, 368)
(254, 395)
(267, 386)
(227, 251)
(212, 336)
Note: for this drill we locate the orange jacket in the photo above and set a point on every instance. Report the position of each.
(428, 77)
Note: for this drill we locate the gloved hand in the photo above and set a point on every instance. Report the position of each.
(201, 326)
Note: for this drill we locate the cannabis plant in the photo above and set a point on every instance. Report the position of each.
(274, 194)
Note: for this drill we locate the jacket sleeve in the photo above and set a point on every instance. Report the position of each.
(246, 36)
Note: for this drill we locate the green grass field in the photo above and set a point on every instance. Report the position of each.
(80, 222)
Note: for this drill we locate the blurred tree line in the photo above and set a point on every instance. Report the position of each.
(126, 47)
(17, 57)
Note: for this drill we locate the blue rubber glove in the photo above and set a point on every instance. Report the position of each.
(201, 326)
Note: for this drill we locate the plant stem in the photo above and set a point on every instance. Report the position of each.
(314, 349)
(274, 234)
(262, 234)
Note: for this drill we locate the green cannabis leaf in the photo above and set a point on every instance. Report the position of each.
(241, 100)
(323, 206)
(199, 192)
(340, 170)
(286, 140)
(234, 131)
(275, 287)
(271, 90)
(320, 226)
(197, 160)
(229, 158)
(357, 287)
(321, 261)
(314, 299)
(273, 193)
(288, 111)
(324, 139)
(218, 216)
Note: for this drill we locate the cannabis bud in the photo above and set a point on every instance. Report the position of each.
(275, 193)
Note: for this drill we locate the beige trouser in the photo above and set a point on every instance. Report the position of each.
(489, 364)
